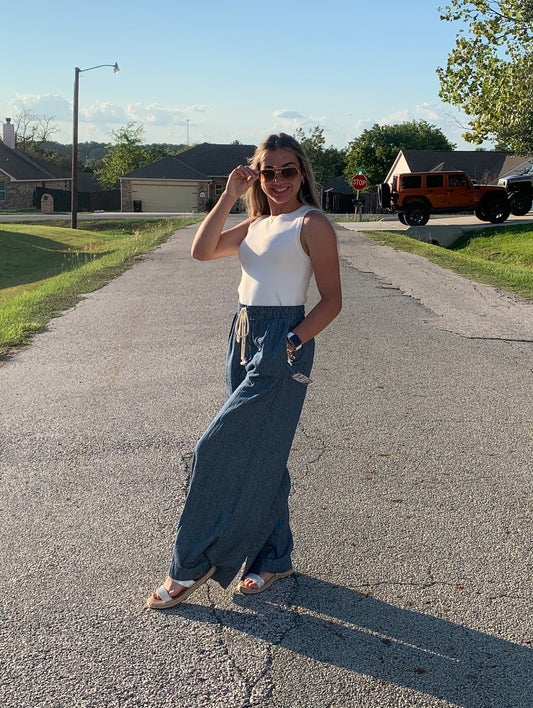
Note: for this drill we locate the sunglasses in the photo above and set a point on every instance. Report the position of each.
(269, 173)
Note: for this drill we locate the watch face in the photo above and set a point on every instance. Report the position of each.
(295, 340)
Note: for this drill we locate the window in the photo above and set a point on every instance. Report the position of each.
(2, 191)
(412, 182)
(434, 181)
(457, 181)
(219, 188)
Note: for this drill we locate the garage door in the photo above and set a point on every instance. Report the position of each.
(166, 196)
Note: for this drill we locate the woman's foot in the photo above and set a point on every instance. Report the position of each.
(172, 593)
(253, 584)
(171, 586)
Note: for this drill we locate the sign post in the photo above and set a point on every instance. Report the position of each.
(359, 182)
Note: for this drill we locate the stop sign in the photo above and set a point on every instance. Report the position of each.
(359, 182)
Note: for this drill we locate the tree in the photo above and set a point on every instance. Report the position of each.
(326, 162)
(376, 148)
(127, 154)
(489, 73)
(32, 131)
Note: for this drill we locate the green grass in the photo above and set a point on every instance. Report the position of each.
(44, 270)
(501, 256)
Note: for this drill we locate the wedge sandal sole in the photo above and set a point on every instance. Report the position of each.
(243, 590)
(183, 595)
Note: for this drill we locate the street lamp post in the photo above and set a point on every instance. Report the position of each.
(74, 182)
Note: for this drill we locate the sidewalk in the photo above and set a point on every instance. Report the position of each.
(442, 230)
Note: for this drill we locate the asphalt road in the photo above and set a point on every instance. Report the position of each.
(412, 499)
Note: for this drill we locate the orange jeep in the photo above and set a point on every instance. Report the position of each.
(416, 195)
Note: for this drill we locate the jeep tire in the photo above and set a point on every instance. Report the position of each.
(416, 214)
(496, 209)
(481, 214)
(520, 202)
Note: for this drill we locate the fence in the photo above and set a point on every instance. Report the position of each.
(104, 200)
(338, 203)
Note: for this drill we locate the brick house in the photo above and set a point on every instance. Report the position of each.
(20, 174)
(188, 182)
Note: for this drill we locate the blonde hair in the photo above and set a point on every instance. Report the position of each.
(256, 200)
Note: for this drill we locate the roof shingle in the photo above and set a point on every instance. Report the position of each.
(20, 166)
(202, 161)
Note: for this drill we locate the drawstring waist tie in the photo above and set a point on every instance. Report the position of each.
(242, 329)
(248, 314)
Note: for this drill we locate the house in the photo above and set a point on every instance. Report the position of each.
(20, 174)
(188, 182)
(337, 196)
(482, 166)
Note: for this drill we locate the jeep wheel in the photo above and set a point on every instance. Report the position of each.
(497, 210)
(481, 214)
(416, 214)
(401, 217)
(520, 203)
(384, 195)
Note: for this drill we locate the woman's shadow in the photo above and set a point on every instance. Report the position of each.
(338, 626)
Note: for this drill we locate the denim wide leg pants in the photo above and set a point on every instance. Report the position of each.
(236, 511)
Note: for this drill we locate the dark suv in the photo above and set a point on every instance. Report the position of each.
(416, 195)
(520, 191)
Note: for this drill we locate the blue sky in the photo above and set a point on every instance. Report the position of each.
(221, 71)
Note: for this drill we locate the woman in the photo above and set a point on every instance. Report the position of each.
(236, 511)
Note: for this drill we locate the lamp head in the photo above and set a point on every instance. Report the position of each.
(115, 68)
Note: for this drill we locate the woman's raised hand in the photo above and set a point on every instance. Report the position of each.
(240, 180)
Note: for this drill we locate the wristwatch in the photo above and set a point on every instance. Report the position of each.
(295, 341)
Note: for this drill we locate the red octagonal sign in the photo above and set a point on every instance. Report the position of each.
(359, 182)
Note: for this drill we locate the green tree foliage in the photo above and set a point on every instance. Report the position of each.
(327, 163)
(92, 153)
(376, 148)
(489, 73)
(129, 153)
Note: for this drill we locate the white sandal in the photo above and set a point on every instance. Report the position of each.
(262, 585)
(167, 600)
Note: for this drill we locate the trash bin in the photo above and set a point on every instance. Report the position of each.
(137, 205)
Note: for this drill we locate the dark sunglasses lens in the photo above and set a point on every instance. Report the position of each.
(285, 172)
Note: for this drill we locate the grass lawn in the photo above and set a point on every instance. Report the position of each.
(501, 256)
(44, 270)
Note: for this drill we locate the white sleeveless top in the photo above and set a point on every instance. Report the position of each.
(275, 268)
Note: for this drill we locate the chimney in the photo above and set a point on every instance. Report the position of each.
(9, 134)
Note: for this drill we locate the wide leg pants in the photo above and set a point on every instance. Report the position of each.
(236, 510)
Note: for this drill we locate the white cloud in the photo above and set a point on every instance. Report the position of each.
(400, 116)
(429, 111)
(150, 115)
(363, 124)
(155, 114)
(103, 113)
(284, 114)
(51, 106)
(288, 121)
(196, 109)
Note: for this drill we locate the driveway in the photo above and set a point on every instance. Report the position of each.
(411, 503)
